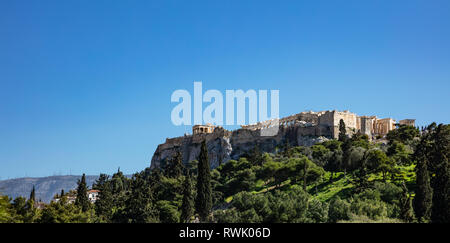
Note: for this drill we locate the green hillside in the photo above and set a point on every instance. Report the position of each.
(402, 178)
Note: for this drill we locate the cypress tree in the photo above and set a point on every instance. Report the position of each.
(203, 201)
(62, 192)
(441, 196)
(342, 131)
(441, 169)
(82, 198)
(30, 206)
(187, 206)
(33, 194)
(422, 200)
(346, 146)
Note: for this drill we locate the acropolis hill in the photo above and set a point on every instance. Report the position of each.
(302, 129)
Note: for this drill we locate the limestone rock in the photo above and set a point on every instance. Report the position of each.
(224, 145)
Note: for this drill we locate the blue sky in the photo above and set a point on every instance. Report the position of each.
(85, 86)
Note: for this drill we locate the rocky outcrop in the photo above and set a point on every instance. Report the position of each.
(302, 129)
(224, 145)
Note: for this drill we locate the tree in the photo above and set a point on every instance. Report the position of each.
(424, 193)
(334, 161)
(378, 161)
(33, 195)
(271, 170)
(406, 210)
(404, 134)
(321, 155)
(20, 206)
(241, 180)
(360, 140)
(276, 206)
(339, 210)
(203, 201)
(64, 212)
(120, 183)
(351, 158)
(433, 174)
(400, 153)
(6, 210)
(342, 131)
(255, 156)
(105, 203)
(139, 206)
(100, 182)
(168, 213)
(305, 174)
(362, 177)
(82, 198)
(247, 208)
(24, 210)
(287, 149)
(440, 167)
(192, 166)
(30, 210)
(187, 206)
(175, 167)
(29, 213)
(346, 147)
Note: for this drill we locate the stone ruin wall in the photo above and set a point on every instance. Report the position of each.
(348, 117)
(408, 122)
(366, 125)
(326, 123)
(309, 117)
(323, 123)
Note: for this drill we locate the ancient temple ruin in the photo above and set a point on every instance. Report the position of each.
(302, 129)
(199, 129)
(328, 121)
(324, 123)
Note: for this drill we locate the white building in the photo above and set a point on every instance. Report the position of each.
(93, 195)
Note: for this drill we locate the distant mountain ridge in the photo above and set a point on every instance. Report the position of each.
(46, 187)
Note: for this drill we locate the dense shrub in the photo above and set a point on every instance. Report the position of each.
(279, 207)
(389, 193)
(339, 210)
(168, 213)
(317, 211)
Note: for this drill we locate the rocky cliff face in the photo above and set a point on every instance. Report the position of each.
(224, 145)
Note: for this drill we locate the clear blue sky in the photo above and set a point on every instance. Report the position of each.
(85, 85)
